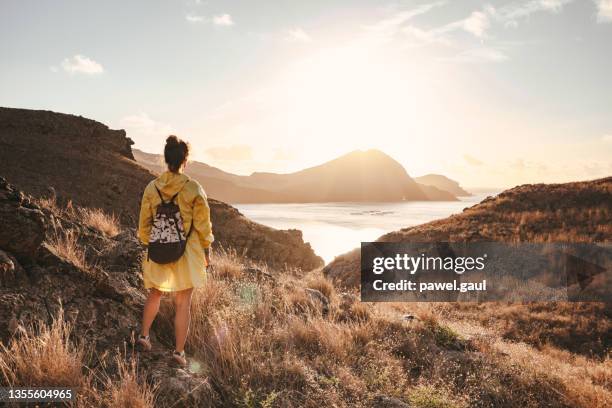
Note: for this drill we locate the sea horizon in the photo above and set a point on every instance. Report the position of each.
(335, 228)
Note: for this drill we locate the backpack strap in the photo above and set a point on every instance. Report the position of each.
(159, 194)
(162, 198)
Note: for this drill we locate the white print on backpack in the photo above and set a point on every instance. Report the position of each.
(164, 230)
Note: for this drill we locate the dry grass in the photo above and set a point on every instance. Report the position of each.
(322, 284)
(43, 356)
(108, 224)
(65, 244)
(126, 391)
(581, 328)
(265, 342)
(50, 204)
(426, 396)
(227, 264)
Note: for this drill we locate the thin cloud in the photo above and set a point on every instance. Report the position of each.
(142, 125)
(80, 64)
(478, 55)
(194, 18)
(298, 35)
(223, 20)
(426, 36)
(513, 12)
(604, 11)
(392, 23)
(472, 161)
(607, 138)
(477, 23)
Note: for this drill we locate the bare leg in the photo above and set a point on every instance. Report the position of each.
(182, 317)
(151, 308)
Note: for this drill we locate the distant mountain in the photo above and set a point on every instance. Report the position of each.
(359, 176)
(436, 194)
(442, 183)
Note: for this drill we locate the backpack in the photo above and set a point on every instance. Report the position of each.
(167, 240)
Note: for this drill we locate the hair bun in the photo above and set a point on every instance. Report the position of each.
(176, 152)
(172, 141)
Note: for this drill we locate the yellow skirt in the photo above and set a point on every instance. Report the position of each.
(188, 272)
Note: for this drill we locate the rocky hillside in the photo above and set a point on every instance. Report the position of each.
(571, 212)
(52, 266)
(357, 176)
(82, 161)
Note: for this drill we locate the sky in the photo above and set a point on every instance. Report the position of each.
(490, 93)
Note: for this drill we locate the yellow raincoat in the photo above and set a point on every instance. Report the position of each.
(190, 270)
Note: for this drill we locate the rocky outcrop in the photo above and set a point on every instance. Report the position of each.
(277, 248)
(82, 161)
(37, 279)
(22, 228)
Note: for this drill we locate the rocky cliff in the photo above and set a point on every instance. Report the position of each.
(83, 161)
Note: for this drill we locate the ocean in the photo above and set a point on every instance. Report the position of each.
(335, 228)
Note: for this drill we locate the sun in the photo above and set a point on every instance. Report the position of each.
(357, 97)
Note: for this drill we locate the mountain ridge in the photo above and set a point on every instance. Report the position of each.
(357, 176)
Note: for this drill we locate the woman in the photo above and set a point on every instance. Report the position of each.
(189, 271)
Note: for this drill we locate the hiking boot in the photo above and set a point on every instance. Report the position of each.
(144, 342)
(180, 358)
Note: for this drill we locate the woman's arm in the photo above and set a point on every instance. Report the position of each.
(145, 219)
(201, 219)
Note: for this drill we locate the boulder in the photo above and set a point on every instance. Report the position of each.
(384, 401)
(11, 272)
(320, 298)
(23, 227)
